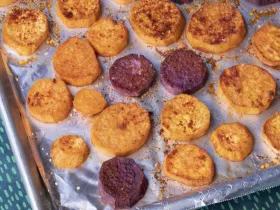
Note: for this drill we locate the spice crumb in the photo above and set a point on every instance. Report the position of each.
(264, 166)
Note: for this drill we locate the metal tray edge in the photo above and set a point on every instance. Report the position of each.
(13, 121)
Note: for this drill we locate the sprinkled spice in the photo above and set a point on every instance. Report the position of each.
(157, 165)
(26, 61)
(161, 181)
(211, 90)
(42, 6)
(213, 62)
(190, 10)
(56, 31)
(51, 43)
(264, 166)
(256, 15)
(166, 52)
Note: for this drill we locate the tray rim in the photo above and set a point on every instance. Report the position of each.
(17, 133)
(157, 205)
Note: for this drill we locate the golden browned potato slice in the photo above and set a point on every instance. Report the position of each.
(185, 118)
(271, 132)
(108, 37)
(121, 129)
(78, 13)
(69, 152)
(6, 2)
(232, 141)
(216, 28)
(89, 102)
(49, 100)
(75, 62)
(190, 165)
(24, 30)
(248, 89)
(158, 23)
(124, 1)
(266, 45)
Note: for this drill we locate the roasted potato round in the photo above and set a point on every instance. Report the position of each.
(49, 100)
(78, 13)
(266, 43)
(271, 132)
(216, 28)
(158, 23)
(108, 37)
(247, 88)
(189, 165)
(121, 129)
(232, 141)
(185, 118)
(68, 152)
(24, 30)
(75, 62)
(89, 102)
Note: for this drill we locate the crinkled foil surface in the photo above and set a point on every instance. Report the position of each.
(77, 189)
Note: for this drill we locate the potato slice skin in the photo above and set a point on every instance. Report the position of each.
(148, 22)
(216, 28)
(108, 37)
(271, 132)
(78, 13)
(121, 129)
(247, 88)
(49, 100)
(124, 1)
(232, 141)
(75, 62)
(190, 165)
(266, 43)
(6, 2)
(69, 152)
(89, 102)
(24, 30)
(185, 118)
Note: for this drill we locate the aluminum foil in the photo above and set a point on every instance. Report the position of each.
(77, 189)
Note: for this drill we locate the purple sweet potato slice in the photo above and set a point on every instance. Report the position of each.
(132, 75)
(263, 2)
(183, 71)
(122, 183)
(182, 1)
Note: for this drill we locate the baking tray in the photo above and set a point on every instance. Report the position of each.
(236, 181)
(16, 132)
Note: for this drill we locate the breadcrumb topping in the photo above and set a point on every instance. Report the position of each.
(26, 25)
(77, 9)
(151, 16)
